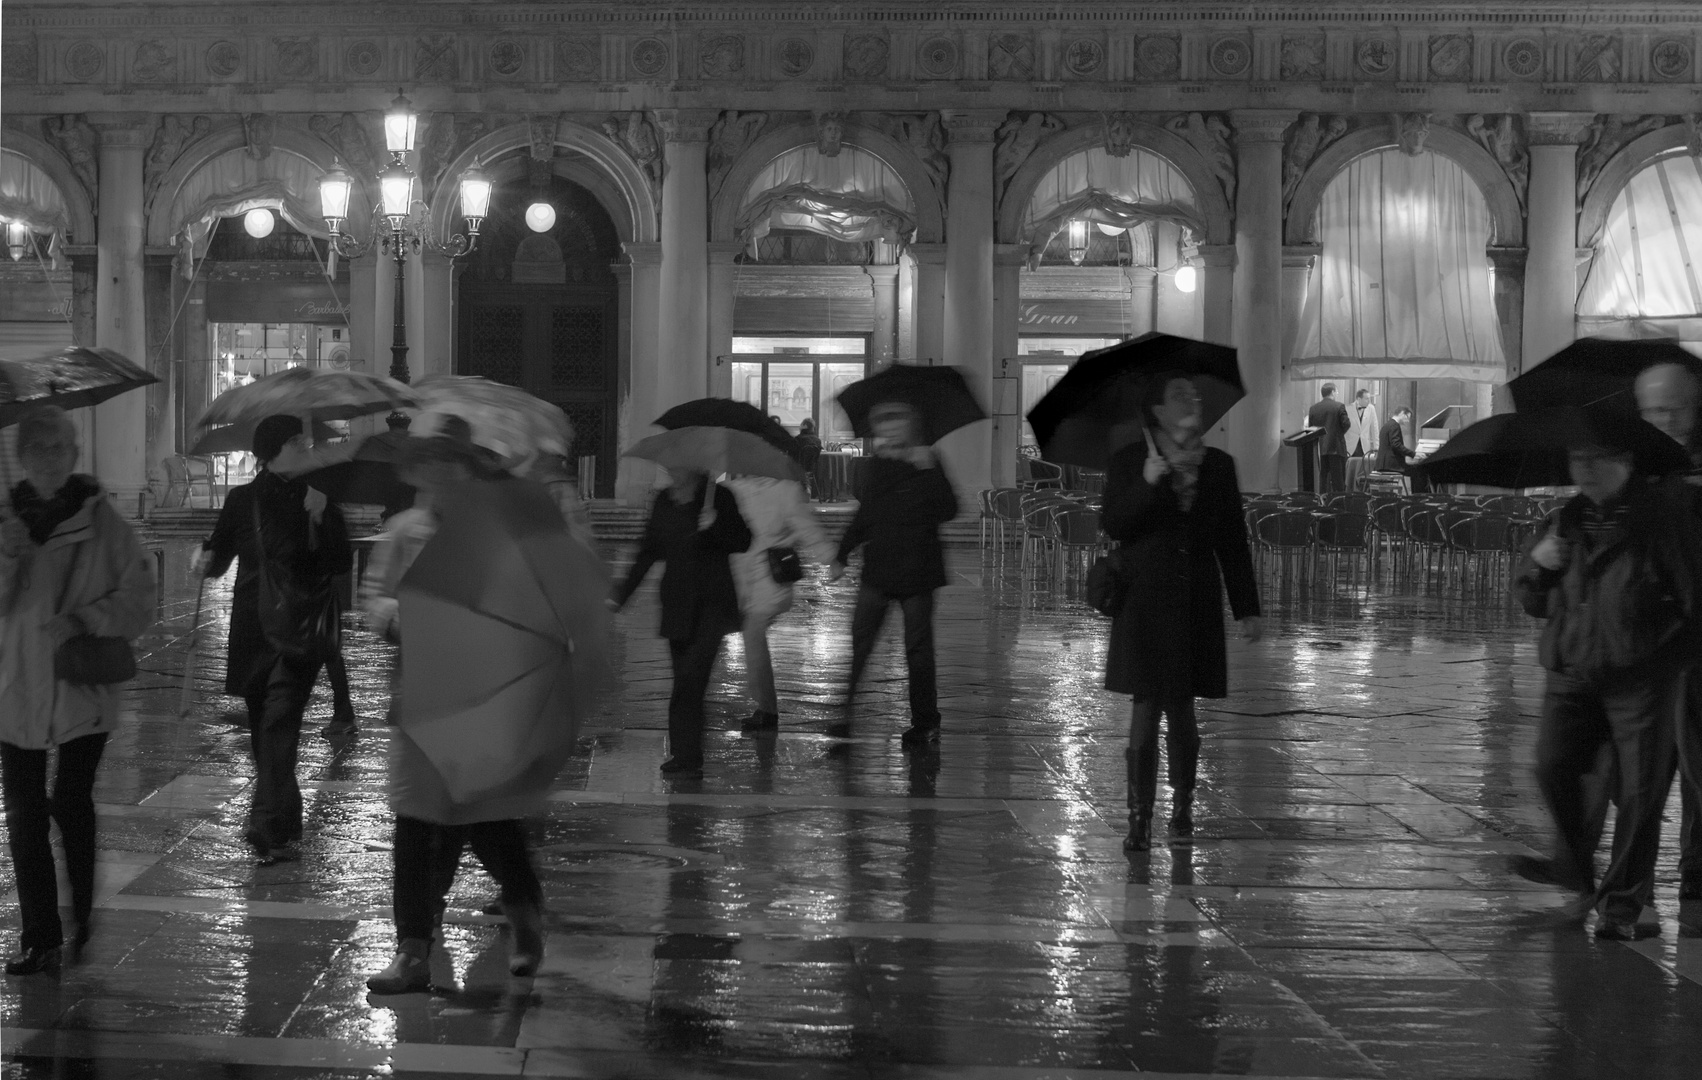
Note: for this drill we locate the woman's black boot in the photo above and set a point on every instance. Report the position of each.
(1182, 812)
(1140, 829)
(34, 961)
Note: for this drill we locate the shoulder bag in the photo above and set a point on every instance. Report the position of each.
(1108, 580)
(90, 659)
(784, 565)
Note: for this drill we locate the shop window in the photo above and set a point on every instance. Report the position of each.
(801, 381)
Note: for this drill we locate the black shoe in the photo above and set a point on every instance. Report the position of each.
(340, 729)
(79, 942)
(761, 721)
(492, 908)
(34, 961)
(683, 767)
(1612, 929)
(1535, 870)
(921, 735)
(839, 729)
(1140, 830)
(1182, 813)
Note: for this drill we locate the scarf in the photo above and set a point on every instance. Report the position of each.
(1184, 465)
(41, 516)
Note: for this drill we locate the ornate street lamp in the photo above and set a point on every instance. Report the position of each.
(18, 239)
(401, 223)
(1077, 243)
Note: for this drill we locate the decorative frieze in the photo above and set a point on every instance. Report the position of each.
(78, 141)
(1604, 139)
(1210, 135)
(1501, 136)
(175, 132)
(1017, 138)
(728, 138)
(1306, 139)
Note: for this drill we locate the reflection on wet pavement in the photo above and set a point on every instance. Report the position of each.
(812, 909)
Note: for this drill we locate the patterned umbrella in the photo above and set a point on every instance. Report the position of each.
(504, 419)
(322, 393)
(70, 378)
(239, 438)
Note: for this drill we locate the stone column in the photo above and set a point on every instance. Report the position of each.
(160, 298)
(120, 450)
(1551, 229)
(969, 287)
(193, 358)
(1297, 264)
(1254, 427)
(1174, 311)
(383, 310)
(684, 286)
(883, 343)
(363, 319)
(640, 408)
(1509, 264)
(1214, 293)
(723, 301)
(1143, 300)
(929, 306)
(1007, 311)
(431, 349)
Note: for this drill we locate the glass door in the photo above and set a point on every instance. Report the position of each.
(793, 390)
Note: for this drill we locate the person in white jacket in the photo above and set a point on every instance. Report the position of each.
(1363, 425)
(779, 516)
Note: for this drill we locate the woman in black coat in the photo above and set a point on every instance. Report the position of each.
(699, 603)
(1176, 508)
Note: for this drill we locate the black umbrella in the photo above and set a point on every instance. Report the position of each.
(1074, 422)
(1596, 371)
(70, 378)
(1529, 449)
(370, 477)
(727, 413)
(938, 395)
(239, 438)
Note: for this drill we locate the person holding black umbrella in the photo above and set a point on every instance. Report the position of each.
(1175, 506)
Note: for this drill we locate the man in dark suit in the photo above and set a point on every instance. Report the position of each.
(1330, 415)
(1393, 454)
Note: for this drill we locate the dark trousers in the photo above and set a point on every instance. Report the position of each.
(276, 702)
(918, 611)
(1635, 717)
(1181, 740)
(1333, 472)
(427, 856)
(694, 662)
(342, 705)
(23, 775)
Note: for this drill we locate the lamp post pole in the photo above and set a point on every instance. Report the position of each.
(399, 333)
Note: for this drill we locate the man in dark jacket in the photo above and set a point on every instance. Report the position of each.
(1393, 453)
(699, 604)
(904, 499)
(1330, 415)
(1616, 577)
(275, 654)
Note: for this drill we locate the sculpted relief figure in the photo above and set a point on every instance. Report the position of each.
(926, 137)
(76, 140)
(1411, 132)
(1607, 136)
(1501, 138)
(830, 130)
(1017, 137)
(258, 130)
(168, 144)
(541, 128)
(1209, 136)
(1119, 133)
(732, 132)
(639, 140)
(1693, 133)
(1305, 143)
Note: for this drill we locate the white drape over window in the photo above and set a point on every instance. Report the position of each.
(234, 183)
(1402, 287)
(854, 197)
(1091, 185)
(29, 195)
(1643, 280)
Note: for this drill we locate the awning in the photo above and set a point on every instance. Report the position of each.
(1091, 185)
(1644, 262)
(854, 196)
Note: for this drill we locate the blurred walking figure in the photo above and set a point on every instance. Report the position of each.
(809, 452)
(904, 498)
(782, 528)
(694, 527)
(555, 472)
(69, 567)
(1175, 506)
(291, 545)
(1616, 576)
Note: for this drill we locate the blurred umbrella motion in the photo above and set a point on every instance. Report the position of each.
(938, 394)
(1597, 372)
(371, 475)
(716, 450)
(727, 413)
(239, 438)
(506, 420)
(1081, 420)
(506, 636)
(321, 393)
(1531, 449)
(70, 378)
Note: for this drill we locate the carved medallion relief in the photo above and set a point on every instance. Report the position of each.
(794, 57)
(296, 57)
(579, 58)
(1084, 57)
(937, 58)
(866, 56)
(223, 58)
(721, 57)
(507, 57)
(1450, 56)
(363, 58)
(84, 61)
(1158, 58)
(1670, 59)
(1231, 57)
(1522, 58)
(649, 56)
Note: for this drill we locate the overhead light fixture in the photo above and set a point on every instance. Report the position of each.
(1186, 281)
(396, 187)
(1078, 241)
(18, 239)
(258, 223)
(540, 217)
(1111, 230)
(475, 198)
(334, 190)
(401, 124)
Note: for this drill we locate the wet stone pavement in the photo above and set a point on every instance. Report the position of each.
(1343, 910)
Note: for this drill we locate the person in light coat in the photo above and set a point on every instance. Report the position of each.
(779, 516)
(1362, 431)
(69, 565)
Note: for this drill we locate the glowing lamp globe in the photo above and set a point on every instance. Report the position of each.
(540, 217)
(259, 223)
(1186, 280)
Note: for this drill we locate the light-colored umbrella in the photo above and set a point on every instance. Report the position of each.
(504, 638)
(322, 393)
(505, 419)
(716, 450)
(239, 438)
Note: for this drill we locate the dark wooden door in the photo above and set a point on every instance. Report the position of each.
(555, 341)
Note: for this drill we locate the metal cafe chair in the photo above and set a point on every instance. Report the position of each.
(1286, 536)
(1078, 539)
(183, 475)
(1343, 534)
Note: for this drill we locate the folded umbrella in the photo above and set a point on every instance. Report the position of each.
(727, 413)
(239, 438)
(1090, 413)
(716, 450)
(504, 419)
(322, 393)
(938, 395)
(505, 638)
(1597, 371)
(1530, 449)
(70, 378)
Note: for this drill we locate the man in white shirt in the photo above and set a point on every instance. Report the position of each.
(1362, 428)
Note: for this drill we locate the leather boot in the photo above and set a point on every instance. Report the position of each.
(1140, 830)
(409, 971)
(1182, 812)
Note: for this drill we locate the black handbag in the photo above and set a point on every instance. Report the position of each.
(90, 659)
(1108, 580)
(297, 621)
(784, 564)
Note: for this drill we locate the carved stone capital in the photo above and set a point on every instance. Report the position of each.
(1507, 260)
(1557, 128)
(928, 254)
(973, 125)
(1299, 256)
(686, 125)
(1010, 254)
(123, 130)
(642, 256)
(1217, 255)
(1261, 125)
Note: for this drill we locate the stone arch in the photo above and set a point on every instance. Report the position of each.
(1633, 158)
(290, 139)
(50, 161)
(1506, 216)
(619, 185)
(724, 207)
(1208, 192)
